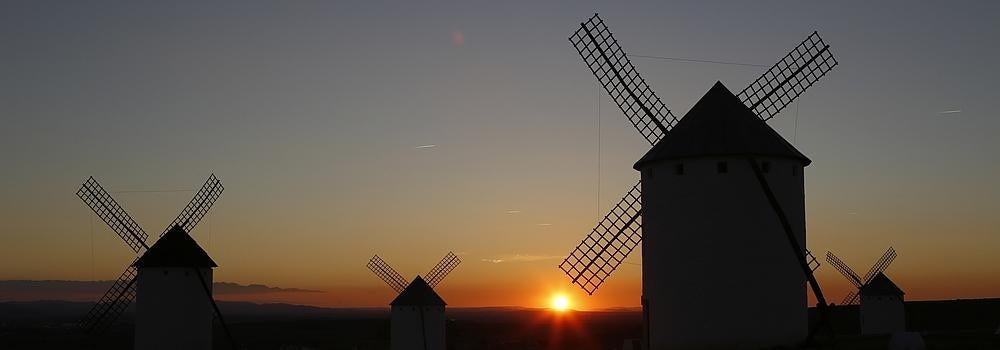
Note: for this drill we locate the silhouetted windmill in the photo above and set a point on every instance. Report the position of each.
(681, 278)
(171, 318)
(881, 310)
(418, 320)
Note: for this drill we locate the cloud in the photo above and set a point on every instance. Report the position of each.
(521, 258)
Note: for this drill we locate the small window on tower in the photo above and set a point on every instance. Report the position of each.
(164, 272)
(679, 169)
(722, 167)
(765, 166)
(795, 171)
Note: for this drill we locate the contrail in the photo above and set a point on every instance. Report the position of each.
(426, 146)
(951, 111)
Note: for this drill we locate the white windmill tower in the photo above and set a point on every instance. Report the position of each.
(418, 320)
(171, 309)
(882, 308)
(720, 209)
(170, 280)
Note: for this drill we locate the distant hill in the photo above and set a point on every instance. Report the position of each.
(66, 311)
(33, 290)
(58, 311)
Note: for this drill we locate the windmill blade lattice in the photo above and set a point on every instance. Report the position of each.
(112, 304)
(613, 69)
(442, 269)
(880, 265)
(845, 270)
(607, 245)
(851, 298)
(811, 261)
(196, 209)
(788, 78)
(387, 273)
(108, 209)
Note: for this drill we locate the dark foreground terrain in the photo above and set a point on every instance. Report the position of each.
(959, 324)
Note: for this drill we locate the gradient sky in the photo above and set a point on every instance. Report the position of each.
(312, 114)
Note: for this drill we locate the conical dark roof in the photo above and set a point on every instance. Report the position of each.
(720, 125)
(418, 293)
(175, 249)
(881, 285)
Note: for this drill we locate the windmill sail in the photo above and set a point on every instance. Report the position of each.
(387, 273)
(604, 249)
(112, 304)
(850, 298)
(845, 270)
(811, 261)
(108, 209)
(442, 269)
(788, 78)
(880, 265)
(196, 209)
(613, 69)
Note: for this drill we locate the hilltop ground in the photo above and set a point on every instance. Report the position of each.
(960, 324)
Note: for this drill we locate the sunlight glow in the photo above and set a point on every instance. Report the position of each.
(560, 303)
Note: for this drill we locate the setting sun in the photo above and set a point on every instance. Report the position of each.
(560, 303)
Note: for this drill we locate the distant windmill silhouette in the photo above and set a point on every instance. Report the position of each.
(174, 250)
(418, 320)
(591, 263)
(881, 310)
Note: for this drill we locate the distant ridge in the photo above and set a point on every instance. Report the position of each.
(28, 290)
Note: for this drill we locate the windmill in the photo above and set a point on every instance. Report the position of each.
(170, 314)
(418, 320)
(881, 310)
(631, 220)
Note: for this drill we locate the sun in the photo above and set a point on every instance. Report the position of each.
(560, 303)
